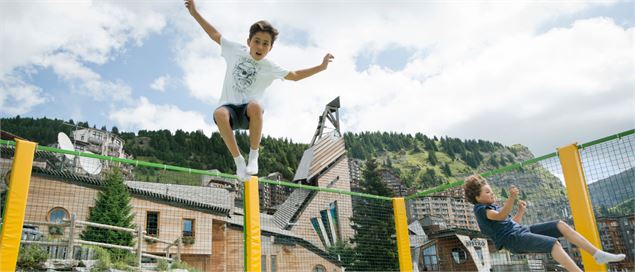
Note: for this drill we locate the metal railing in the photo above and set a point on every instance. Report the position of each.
(71, 242)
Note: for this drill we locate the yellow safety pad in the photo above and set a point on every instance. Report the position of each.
(16, 204)
(401, 227)
(580, 202)
(252, 226)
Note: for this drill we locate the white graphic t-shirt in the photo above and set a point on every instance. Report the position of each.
(246, 78)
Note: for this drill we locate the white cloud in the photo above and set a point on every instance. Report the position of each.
(18, 97)
(204, 69)
(86, 29)
(68, 36)
(146, 115)
(85, 81)
(159, 83)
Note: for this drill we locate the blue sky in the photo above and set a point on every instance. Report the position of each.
(540, 74)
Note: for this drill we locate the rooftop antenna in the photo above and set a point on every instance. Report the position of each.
(331, 113)
(92, 166)
(65, 143)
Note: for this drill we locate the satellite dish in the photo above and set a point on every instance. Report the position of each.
(66, 144)
(90, 165)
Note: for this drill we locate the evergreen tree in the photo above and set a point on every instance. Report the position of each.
(504, 193)
(493, 161)
(416, 149)
(344, 252)
(471, 160)
(112, 207)
(432, 158)
(371, 182)
(375, 249)
(446, 170)
(430, 145)
(429, 179)
(604, 211)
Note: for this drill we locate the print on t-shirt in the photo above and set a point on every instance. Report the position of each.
(244, 73)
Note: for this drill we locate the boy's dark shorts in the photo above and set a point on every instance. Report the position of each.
(238, 118)
(538, 238)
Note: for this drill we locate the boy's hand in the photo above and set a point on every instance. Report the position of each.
(191, 7)
(325, 62)
(513, 191)
(522, 206)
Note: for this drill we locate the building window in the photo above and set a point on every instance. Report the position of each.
(263, 266)
(318, 230)
(479, 253)
(274, 263)
(188, 227)
(58, 214)
(336, 222)
(152, 223)
(319, 268)
(458, 255)
(327, 226)
(430, 260)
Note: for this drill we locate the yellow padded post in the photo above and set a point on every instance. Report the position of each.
(401, 227)
(580, 202)
(16, 204)
(252, 226)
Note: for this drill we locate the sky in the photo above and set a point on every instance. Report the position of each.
(542, 74)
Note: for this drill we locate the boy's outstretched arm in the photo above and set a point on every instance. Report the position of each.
(211, 31)
(301, 74)
(521, 211)
(507, 207)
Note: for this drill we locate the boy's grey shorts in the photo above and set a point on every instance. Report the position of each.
(238, 118)
(538, 238)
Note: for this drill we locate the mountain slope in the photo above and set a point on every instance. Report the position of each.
(422, 162)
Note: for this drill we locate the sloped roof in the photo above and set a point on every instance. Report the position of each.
(205, 197)
(319, 156)
(266, 225)
(455, 231)
(418, 237)
(201, 198)
(290, 208)
(416, 228)
(8, 152)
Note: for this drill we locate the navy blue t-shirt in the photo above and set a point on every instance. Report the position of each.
(497, 230)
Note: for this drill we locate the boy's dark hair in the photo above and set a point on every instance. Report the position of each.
(263, 26)
(472, 186)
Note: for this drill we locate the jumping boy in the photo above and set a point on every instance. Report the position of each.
(506, 231)
(248, 75)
